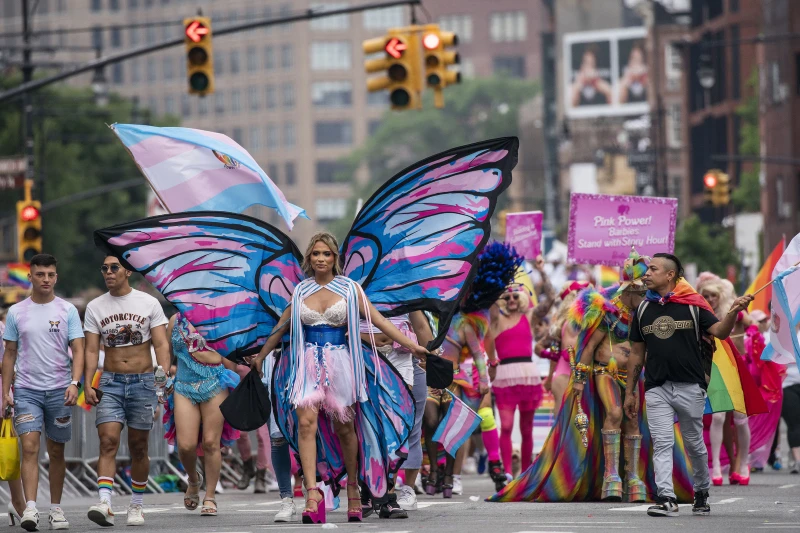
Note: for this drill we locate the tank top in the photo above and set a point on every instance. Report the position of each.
(516, 342)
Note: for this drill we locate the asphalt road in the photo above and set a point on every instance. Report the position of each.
(770, 502)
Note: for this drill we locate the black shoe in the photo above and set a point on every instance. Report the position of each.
(498, 475)
(367, 507)
(667, 507)
(700, 506)
(391, 509)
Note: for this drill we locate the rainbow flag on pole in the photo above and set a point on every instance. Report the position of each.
(457, 425)
(762, 299)
(18, 275)
(607, 275)
(732, 388)
(82, 397)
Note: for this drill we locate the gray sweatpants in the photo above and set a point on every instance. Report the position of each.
(420, 393)
(688, 401)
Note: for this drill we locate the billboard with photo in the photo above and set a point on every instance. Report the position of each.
(605, 73)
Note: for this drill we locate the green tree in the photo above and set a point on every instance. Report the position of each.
(475, 110)
(710, 247)
(75, 152)
(747, 195)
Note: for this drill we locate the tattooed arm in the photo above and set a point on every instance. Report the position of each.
(635, 366)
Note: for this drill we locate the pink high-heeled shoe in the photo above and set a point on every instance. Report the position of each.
(735, 479)
(716, 481)
(354, 516)
(317, 516)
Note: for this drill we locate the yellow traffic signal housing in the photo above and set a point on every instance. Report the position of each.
(722, 192)
(402, 64)
(709, 184)
(437, 60)
(199, 55)
(29, 230)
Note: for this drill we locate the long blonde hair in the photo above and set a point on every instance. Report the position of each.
(708, 281)
(562, 312)
(330, 241)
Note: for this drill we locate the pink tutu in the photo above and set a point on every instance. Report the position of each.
(329, 381)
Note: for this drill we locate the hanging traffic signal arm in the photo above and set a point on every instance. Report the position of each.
(199, 55)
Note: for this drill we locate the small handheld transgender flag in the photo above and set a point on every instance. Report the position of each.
(457, 425)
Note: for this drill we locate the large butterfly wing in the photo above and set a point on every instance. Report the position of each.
(415, 241)
(230, 275)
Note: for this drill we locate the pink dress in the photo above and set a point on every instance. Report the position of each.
(517, 382)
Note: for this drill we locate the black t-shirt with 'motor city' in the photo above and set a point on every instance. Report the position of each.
(673, 352)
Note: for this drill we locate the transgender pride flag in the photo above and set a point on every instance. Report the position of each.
(457, 425)
(196, 170)
(784, 346)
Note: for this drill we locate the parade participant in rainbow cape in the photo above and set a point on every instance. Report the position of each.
(465, 340)
(412, 247)
(573, 455)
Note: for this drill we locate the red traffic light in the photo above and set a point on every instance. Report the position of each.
(29, 213)
(395, 47)
(196, 30)
(710, 181)
(431, 41)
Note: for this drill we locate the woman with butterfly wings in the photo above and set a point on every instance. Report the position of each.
(412, 247)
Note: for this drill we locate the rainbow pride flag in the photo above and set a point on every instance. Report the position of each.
(18, 275)
(732, 388)
(607, 275)
(82, 397)
(543, 420)
(764, 276)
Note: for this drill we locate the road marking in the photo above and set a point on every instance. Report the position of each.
(787, 486)
(559, 523)
(269, 503)
(423, 505)
(646, 506)
(723, 502)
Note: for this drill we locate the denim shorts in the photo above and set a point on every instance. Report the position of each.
(128, 398)
(34, 409)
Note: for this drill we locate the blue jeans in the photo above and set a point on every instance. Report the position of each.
(420, 393)
(128, 398)
(282, 464)
(35, 410)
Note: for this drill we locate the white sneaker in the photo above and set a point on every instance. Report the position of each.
(406, 498)
(457, 487)
(57, 519)
(135, 515)
(101, 514)
(418, 485)
(30, 519)
(287, 512)
(470, 466)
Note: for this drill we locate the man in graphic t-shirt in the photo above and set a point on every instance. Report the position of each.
(128, 322)
(668, 325)
(40, 331)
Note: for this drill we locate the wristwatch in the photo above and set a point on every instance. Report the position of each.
(77, 384)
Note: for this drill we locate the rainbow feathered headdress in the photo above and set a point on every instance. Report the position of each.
(634, 268)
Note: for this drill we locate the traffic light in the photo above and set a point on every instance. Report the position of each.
(402, 65)
(199, 55)
(437, 59)
(29, 230)
(716, 188)
(709, 184)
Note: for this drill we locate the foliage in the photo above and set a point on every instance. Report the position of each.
(74, 152)
(747, 195)
(710, 247)
(476, 110)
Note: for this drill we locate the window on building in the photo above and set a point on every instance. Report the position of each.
(289, 137)
(238, 135)
(166, 33)
(461, 25)
(254, 138)
(133, 36)
(219, 102)
(284, 11)
(331, 55)
(150, 34)
(287, 56)
(202, 106)
(97, 37)
(233, 17)
(136, 71)
(273, 136)
(673, 66)
(337, 22)
(116, 37)
(291, 173)
(511, 66)
(117, 74)
(269, 57)
(236, 101)
(236, 65)
(148, 3)
(61, 5)
(467, 68)
(132, 4)
(152, 75)
(271, 97)
(373, 125)
(674, 126)
(169, 68)
(508, 26)
(332, 94)
(267, 15)
(253, 98)
(272, 172)
(152, 105)
(252, 59)
(734, 6)
(797, 74)
(328, 209)
(735, 62)
(169, 105)
(381, 19)
(186, 105)
(327, 171)
(113, 5)
(333, 132)
(378, 99)
(218, 67)
(288, 95)
(97, 5)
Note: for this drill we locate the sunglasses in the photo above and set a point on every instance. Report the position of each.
(510, 297)
(113, 268)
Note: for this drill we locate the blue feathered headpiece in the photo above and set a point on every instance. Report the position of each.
(497, 265)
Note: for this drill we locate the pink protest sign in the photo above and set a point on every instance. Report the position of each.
(524, 233)
(603, 228)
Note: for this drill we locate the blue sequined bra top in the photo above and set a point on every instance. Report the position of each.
(199, 382)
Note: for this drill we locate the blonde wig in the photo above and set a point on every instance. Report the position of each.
(330, 241)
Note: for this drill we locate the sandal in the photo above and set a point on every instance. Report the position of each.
(447, 488)
(354, 515)
(317, 514)
(191, 501)
(431, 484)
(207, 510)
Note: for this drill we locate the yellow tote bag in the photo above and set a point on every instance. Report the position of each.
(9, 451)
